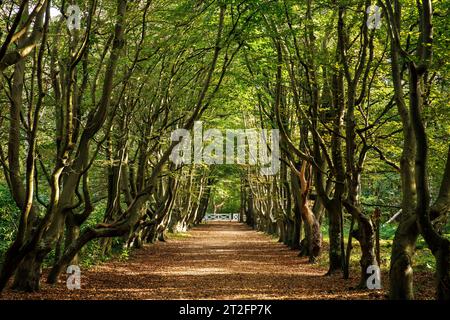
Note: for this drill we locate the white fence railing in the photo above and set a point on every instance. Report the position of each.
(221, 217)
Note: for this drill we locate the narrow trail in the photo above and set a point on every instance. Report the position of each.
(218, 260)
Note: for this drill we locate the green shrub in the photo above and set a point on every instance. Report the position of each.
(9, 219)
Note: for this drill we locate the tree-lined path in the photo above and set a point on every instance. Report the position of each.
(323, 124)
(218, 260)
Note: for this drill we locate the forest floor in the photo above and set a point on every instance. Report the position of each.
(217, 260)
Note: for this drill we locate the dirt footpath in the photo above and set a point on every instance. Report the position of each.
(218, 260)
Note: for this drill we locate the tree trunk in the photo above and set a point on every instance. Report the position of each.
(403, 248)
(335, 235)
(28, 274)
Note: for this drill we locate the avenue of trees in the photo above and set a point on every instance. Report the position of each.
(362, 107)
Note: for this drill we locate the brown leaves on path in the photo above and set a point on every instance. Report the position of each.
(219, 260)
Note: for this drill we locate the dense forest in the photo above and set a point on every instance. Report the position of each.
(91, 93)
